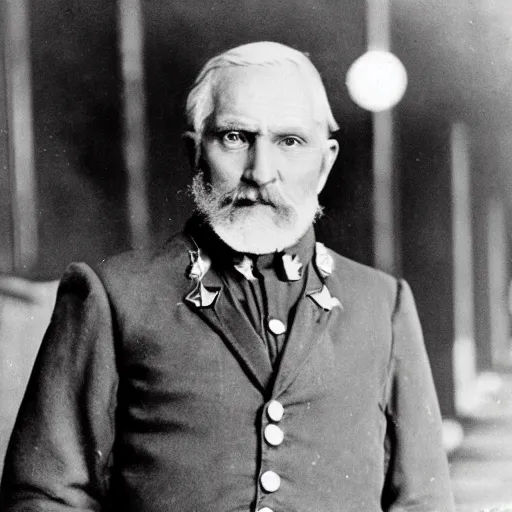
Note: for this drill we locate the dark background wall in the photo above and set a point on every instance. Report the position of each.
(77, 127)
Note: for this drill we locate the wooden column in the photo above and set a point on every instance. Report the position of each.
(462, 254)
(6, 220)
(498, 283)
(19, 97)
(385, 198)
(492, 246)
(481, 183)
(134, 119)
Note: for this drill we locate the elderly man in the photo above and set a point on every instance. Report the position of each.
(243, 366)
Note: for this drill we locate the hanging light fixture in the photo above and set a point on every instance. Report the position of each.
(377, 80)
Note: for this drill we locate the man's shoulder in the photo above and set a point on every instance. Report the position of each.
(141, 270)
(362, 280)
(364, 271)
(137, 261)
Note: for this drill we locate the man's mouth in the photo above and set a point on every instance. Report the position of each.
(244, 202)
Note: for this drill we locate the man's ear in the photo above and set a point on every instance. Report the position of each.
(330, 154)
(191, 141)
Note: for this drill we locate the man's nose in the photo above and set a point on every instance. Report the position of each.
(260, 169)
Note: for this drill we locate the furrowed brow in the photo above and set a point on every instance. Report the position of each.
(279, 131)
(234, 124)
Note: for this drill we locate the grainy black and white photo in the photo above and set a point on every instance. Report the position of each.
(255, 256)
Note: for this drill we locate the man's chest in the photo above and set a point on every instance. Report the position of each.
(190, 407)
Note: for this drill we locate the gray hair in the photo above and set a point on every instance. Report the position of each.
(200, 99)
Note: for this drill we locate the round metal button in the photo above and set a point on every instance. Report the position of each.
(274, 435)
(276, 326)
(275, 410)
(265, 509)
(270, 481)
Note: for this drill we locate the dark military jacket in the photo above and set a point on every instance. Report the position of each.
(152, 392)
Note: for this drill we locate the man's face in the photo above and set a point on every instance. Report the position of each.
(266, 157)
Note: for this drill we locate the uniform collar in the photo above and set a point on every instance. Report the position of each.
(302, 251)
(211, 299)
(224, 257)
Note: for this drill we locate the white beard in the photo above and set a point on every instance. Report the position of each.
(255, 229)
(257, 232)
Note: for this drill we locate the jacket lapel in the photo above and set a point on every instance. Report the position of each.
(220, 309)
(315, 310)
(227, 319)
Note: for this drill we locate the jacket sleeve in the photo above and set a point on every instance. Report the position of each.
(417, 479)
(59, 454)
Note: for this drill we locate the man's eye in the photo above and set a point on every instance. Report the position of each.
(291, 142)
(233, 139)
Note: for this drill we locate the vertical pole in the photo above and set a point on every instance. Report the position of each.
(464, 350)
(384, 202)
(377, 24)
(6, 211)
(134, 118)
(384, 194)
(19, 93)
(498, 284)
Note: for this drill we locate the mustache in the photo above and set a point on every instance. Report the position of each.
(223, 205)
(248, 195)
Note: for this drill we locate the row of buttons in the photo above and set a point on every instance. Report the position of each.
(270, 480)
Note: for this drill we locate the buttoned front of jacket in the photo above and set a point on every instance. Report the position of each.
(143, 401)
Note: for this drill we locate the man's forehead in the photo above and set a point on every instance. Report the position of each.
(254, 92)
(272, 81)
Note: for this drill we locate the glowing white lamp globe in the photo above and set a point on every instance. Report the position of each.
(377, 80)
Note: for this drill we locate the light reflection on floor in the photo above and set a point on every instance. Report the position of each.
(481, 468)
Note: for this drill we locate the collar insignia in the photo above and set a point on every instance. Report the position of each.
(199, 265)
(245, 266)
(202, 297)
(323, 260)
(324, 299)
(292, 267)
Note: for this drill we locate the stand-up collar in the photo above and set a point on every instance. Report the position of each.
(286, 263)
